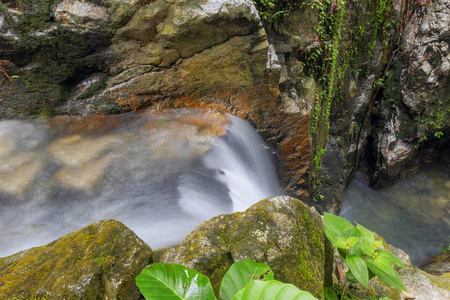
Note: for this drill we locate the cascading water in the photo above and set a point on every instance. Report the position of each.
(159, 181)
(413, 214)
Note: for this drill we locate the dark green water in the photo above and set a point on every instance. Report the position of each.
(413, 214)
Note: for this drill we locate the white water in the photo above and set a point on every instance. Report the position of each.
(161, 197)
(413, 214)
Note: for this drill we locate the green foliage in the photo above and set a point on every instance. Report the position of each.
(273, 290)
(323, 62)
(359, 248)
(436, 119)
(172, 281)
(338, 47)
(245, 279)
(270, 10)
(446, 249)
(240, 275)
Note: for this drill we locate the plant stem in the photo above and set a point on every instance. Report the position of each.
(343, 290)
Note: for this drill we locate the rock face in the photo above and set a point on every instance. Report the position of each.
(162, 54)
(99, 261)
(388, 90)
(281, 232)
(412, 112)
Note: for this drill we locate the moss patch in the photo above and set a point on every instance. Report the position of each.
(83, 265)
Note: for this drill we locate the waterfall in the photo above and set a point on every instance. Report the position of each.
(161, 180)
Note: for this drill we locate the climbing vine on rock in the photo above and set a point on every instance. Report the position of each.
(339, 46)
(329, 31)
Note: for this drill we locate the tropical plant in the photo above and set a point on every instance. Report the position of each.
(446, 249)
(357, 245)
(245, 279)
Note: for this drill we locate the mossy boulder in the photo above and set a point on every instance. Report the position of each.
(281, 231)
(99, 261)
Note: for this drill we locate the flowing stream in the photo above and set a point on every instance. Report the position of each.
(413, 214)
(161, 175)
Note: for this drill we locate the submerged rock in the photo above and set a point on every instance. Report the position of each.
(99, 261)
(281, 231)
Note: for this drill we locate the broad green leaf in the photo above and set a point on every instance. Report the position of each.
(171, 281)
(240, 274)
(391, 257)
(367, 248)
(352, 241)
(366, 233)
(341, 244)
(385, 273)
(350, 277)
(355, 250)
(334, 226)
(351, 232)
(377, 244)
(359, 269)
(272, 290)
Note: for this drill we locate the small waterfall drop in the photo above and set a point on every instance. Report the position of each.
(160, 180)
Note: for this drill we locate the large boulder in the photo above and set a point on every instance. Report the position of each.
(282, 232)
(99, 261)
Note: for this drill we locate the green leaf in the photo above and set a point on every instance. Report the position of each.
(350, 277)
(352, 241)
(367, 248)
(171, 281)
(334, 226)
(240, 274)
(351, 232)
(394, 260)
(366, 233)
(272, 290)
(386, 273)
(359, 269)
(341, 244)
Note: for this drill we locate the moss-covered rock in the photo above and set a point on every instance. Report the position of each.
(282, 232)
(99, 261)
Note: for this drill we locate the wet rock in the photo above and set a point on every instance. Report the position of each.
(99, 261)
(281, 232)
(437, 265)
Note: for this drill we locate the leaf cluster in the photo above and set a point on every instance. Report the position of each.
(357, 245)
(245, 279)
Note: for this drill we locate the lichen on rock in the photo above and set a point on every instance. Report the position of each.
(99, 261)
